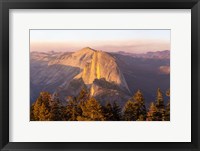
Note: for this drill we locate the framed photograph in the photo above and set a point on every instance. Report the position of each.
(99, 75)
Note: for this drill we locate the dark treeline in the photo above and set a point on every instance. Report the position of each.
(48, 107)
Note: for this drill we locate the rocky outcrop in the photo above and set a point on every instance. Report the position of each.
(102, 65)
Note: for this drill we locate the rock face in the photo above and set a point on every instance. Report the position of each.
(94, 65)
(81, 69)
(102, 66)
(105, 91)
(77, 59)
(164, 70)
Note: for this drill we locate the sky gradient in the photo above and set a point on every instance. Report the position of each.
(135, 41)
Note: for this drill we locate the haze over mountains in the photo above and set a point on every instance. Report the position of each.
(107, 76)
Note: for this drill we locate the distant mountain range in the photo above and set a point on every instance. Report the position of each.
(165, 54)
(107, 76)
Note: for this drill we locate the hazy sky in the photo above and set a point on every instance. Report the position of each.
(137, 41)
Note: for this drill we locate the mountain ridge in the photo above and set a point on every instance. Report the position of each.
(106, 75)
(90, 65)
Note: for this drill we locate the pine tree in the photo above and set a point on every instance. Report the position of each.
(167, 112)
(73, 109)
(83, 95)
(168, 93)
(159, 99)
(140, 106)
(44, 114)
(116, 112)
(91, 111)
(135, 108)
(41, 108)
(56, 112)
(153, 114)
(108, 112)
(129, 111)
(32, 112)
(112, 112)
(36, 108)
(160, 105)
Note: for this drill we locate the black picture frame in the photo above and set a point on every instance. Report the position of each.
(5, 5)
